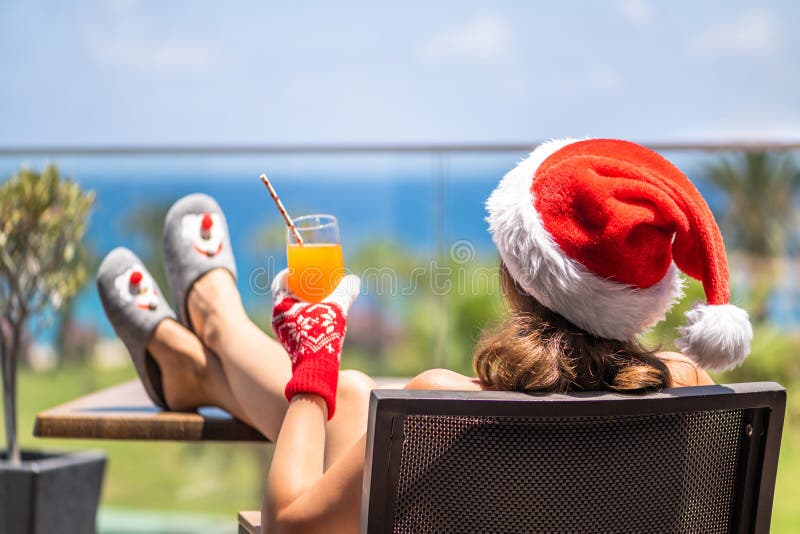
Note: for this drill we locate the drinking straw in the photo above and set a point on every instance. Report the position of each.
(278, 203)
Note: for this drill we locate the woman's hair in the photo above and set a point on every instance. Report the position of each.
(536, 349)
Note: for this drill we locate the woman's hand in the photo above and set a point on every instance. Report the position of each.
(313, 334)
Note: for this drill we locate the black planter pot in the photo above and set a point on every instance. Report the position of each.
(51, 492)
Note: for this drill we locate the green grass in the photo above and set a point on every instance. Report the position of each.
(221, 479)
(786, 512)
(208, 478)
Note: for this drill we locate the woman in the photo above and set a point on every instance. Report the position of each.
(591, 235)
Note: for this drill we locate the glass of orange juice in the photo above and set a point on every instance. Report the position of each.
(316, 267)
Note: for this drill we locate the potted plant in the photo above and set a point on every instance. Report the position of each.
(42, 222)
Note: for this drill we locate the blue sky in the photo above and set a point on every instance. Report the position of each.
(129, 72)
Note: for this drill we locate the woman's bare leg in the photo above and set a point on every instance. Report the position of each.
(352, 410)
(191, 375)
(302, 494)
(257, 368)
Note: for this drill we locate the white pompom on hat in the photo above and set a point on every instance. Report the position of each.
(597, 230)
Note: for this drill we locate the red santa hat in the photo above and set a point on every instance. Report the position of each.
(597, 230)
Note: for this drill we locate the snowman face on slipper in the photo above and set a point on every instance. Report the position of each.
(137, 287)
(204, 232)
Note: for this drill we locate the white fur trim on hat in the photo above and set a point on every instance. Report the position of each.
(716, 336)
(603, 307)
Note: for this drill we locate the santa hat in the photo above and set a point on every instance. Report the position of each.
(597, 230)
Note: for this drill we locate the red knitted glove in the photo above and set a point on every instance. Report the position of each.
(313, 334)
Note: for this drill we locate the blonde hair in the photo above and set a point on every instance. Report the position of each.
(536, 349)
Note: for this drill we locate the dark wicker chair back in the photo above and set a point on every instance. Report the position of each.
(700, 459)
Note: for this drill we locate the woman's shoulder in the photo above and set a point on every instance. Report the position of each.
(444, 379)
(684, 371)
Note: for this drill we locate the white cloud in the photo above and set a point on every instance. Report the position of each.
(122, 7)
(638, 12)
(123, 36)
(485, 37)
(755, 34)
(176, 56)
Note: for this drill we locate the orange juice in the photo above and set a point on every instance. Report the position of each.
(314, 269)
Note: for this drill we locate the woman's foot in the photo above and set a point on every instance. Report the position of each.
(193, 376)
(183, 363)
(196, 242)
(135, 307)
(213, 302)
(171, 362)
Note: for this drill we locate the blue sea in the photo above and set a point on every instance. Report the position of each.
(423, 202)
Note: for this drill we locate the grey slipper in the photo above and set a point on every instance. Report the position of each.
(196, 240)
(134, 305)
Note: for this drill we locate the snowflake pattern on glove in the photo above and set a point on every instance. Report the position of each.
(309, 330)
(312, 335)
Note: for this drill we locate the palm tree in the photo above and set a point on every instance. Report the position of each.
(760, 188)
